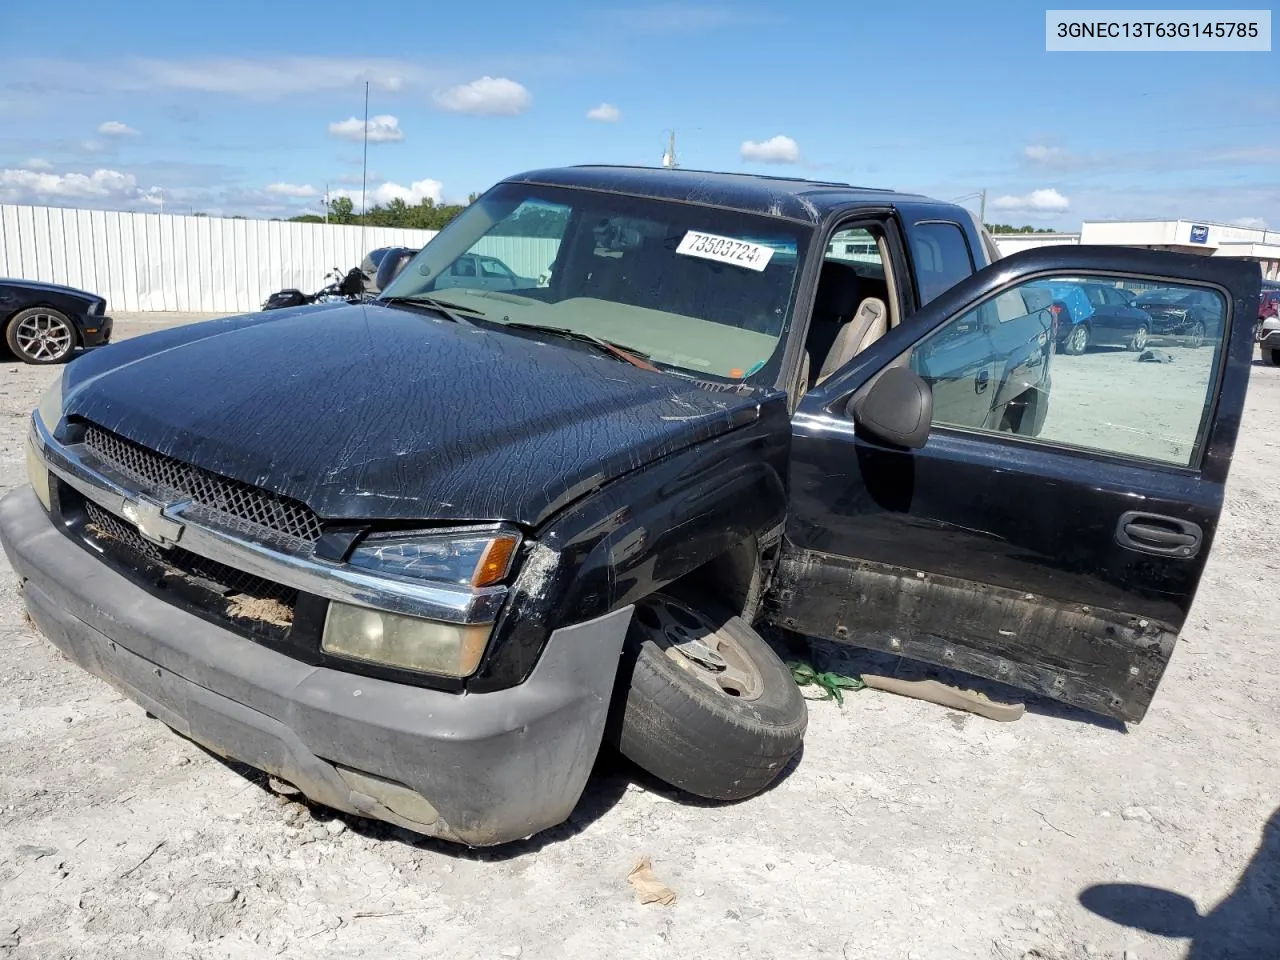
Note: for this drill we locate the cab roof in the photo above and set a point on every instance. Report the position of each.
(805, 200)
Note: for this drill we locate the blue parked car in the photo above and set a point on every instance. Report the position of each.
(1098, 314)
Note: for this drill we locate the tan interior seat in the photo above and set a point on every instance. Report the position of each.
(870, 322)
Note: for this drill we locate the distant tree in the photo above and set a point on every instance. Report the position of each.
(341, 210)
(198, 213)
(307, 218)
(1025, 228)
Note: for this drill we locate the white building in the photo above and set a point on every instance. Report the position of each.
(1181, 236)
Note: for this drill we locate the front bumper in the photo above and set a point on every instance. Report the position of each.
(1270, 340)
(479, 769)
(95, 331)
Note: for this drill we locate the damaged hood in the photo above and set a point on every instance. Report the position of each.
(370, 412)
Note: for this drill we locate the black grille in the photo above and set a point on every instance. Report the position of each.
(110, 531)
(241, 505)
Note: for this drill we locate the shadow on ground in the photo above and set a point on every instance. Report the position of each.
(1244, 926)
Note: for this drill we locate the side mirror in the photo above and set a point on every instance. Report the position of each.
(897, 410)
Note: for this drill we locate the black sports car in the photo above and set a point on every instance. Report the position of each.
(1194, 316)
(45, 322)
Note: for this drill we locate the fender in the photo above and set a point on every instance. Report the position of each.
(641, 532)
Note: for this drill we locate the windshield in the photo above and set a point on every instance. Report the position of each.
(696, 289)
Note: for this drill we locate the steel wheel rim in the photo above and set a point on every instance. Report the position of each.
(43, 336)
(1140, 338)
(713, 659)
(1079, 339)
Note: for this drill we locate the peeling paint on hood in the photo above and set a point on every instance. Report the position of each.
(369, 412)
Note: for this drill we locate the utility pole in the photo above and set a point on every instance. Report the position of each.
(669, 158)
(982, 210)
(326, 204)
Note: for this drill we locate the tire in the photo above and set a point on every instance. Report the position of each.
(1195, 339)
(1272, 357)
(1138, 342)
(41, 336)
(1077, 340)
(673, 715)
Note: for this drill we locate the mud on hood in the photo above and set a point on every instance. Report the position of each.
(370, 412)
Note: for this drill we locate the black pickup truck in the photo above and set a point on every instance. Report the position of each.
(419, 557)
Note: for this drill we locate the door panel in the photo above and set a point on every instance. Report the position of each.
(1045, 553)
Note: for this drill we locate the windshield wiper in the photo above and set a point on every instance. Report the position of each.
(453, 311)
(634, 357)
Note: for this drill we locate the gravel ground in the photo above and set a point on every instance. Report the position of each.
(905, 831)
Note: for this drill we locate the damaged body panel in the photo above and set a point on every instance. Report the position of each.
(1106, 662)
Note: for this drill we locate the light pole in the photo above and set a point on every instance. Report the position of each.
(982, 196)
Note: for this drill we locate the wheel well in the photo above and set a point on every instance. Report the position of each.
(75, 328)
(736, 578)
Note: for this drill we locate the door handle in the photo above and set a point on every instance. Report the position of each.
(1160, 535)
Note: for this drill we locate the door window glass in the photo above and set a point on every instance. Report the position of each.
(942, 258)
(1037, 362)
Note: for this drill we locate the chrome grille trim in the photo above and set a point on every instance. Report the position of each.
(205, 534)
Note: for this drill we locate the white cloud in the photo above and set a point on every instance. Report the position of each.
(38, 163)
(265, 78)
(1257, 223)
(92, 146)
(1249, 155)
(385, 192)
(1060, 158)
(114, 128)
(27, 186)
(605, 113)
(291, 189)
(488, 96)
(777, 149)
(1042, 154)
(1037, 201)
(382, 129)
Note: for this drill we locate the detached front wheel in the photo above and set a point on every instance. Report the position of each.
(41, 335)
(703, 702)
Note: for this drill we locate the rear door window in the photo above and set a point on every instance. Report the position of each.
(942, 257)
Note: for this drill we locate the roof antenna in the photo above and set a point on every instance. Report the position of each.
(364, 168)
(669, 158)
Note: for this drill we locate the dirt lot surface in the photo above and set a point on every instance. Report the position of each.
(905, 831)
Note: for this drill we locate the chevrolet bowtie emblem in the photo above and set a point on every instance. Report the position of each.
(153, 520)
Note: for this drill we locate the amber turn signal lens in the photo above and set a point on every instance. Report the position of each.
(496, 561)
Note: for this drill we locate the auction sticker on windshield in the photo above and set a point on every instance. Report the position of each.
(740, 253)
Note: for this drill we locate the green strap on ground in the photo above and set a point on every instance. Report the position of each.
(832, 685)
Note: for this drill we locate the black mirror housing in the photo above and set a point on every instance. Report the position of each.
(897, 410)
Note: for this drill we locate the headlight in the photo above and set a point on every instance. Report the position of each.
(375, 636)
(50, 408)
(472, 560)
(466, 558)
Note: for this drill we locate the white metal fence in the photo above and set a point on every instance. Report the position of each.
(147, 261)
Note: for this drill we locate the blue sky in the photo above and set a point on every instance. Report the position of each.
(237, 107)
